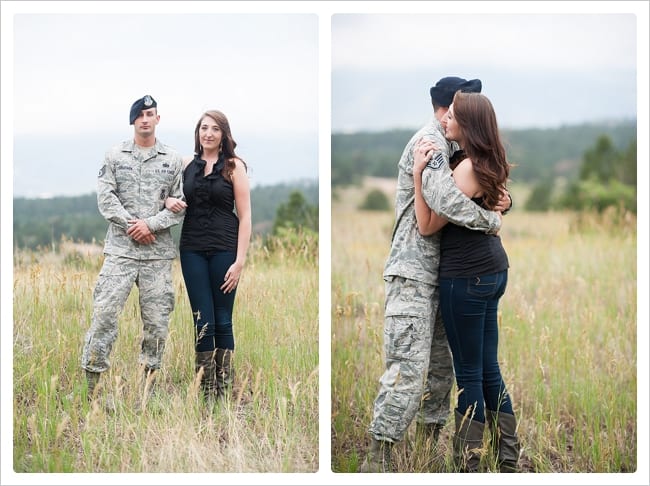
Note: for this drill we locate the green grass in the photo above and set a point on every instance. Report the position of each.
(567, 340)
(270, 424)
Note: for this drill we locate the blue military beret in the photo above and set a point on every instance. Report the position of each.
(443, 92)
(143, 103)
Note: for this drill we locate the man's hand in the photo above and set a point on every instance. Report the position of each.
(504, 204)
(140, 232)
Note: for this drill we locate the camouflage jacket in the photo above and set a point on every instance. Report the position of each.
(132, 185)
(415, 256)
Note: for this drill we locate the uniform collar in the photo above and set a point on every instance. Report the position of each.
(129, 146)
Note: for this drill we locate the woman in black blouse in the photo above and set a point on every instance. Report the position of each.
(473, 278)
(214, 240)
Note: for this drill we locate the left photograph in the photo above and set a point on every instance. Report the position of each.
(165, 243)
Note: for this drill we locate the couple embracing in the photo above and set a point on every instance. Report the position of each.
(444, 276)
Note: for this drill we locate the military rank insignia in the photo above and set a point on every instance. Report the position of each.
(436, 161)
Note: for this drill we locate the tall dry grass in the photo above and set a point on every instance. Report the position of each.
(270, 424)
(567, 340)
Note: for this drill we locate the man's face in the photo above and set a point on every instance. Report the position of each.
(440, 113)
(452, 130)
(443, 120)
(145, 123)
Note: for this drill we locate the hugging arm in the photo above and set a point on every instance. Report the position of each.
(443, 196)
(165, 218)
(427, 220)
(175, 202)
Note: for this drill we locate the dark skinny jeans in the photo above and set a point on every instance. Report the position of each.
(204, 273)
(469, 311)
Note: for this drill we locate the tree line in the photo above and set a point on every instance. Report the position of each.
(537, 153)
(606, 178)
(43, 222)
(581, 167)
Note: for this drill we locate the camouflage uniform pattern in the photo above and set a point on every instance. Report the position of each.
(413, 255)
(156, 298)
(419, 369)
(133, 184)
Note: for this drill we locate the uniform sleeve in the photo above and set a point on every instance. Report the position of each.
(165, 218)
(108, 202)
(446, 199)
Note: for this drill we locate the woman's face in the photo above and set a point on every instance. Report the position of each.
(452, 130)
(209, 134)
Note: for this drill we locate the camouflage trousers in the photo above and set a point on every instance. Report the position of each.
(419, 369)
(156, 298)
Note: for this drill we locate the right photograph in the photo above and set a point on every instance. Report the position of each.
(484, 243)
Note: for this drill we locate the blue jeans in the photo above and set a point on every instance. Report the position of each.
(204, 273)
(469, 312)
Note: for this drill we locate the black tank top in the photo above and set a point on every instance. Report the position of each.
(210, 223)
(469, 253)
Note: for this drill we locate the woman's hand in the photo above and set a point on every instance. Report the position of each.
(231, 278)
(174, 204)
(423, 152)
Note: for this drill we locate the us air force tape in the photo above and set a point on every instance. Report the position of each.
(436, 161)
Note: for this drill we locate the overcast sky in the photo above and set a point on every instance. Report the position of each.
(539, 69)
(557, 42)
(76, 75)
(80, 73)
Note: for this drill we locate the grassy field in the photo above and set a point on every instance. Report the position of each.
(270, 425)
(567, 339)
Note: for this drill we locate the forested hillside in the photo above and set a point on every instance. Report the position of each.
(39, 222)
(539, 154)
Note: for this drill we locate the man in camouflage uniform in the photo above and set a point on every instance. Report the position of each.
(419, 370)
(133, 183)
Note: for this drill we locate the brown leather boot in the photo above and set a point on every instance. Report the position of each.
(225, 374)
(468, 443)
(504, 439)
(205, 366)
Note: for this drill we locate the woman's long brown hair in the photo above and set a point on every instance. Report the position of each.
(482, 143)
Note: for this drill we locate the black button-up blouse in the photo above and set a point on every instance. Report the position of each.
(211, 223)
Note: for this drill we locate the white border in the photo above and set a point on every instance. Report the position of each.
(325, 10)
